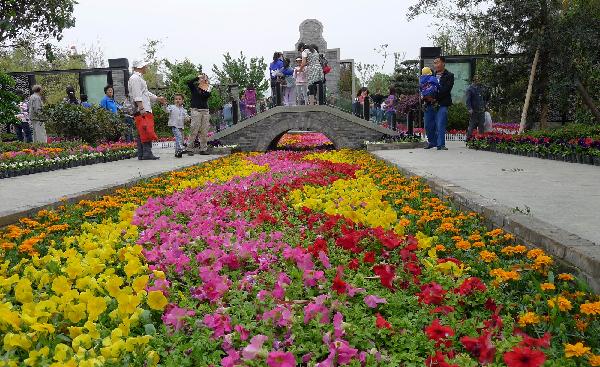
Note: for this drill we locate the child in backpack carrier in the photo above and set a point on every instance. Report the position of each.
(429, 85)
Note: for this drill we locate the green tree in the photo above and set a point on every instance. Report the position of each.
(243, 73)
(40, 20)
(380, 82)
(177, 76)
(153, 77)
(8, 100)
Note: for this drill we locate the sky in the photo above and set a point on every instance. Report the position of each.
(203, 31)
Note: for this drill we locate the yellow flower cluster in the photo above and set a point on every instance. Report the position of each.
(502, 275)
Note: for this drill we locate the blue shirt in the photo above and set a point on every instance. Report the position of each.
(109, 104)
(86, 104)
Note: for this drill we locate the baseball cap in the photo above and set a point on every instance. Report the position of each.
(140, 63)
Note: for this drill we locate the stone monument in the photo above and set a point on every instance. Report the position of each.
(311, 32)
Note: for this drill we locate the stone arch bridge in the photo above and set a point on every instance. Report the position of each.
(262, 131)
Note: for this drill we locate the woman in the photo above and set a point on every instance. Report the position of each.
(390, 108)
(314, 71)
(35, 108)
(276, 76)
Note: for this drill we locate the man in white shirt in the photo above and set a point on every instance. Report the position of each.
(144, 119)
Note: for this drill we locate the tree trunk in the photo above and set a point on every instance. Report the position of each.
(589, 102)
(529, 91)
(544, 82)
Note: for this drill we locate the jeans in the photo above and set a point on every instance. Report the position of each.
(289, 96)
(128, 129)
(391, 119)
(378, 114)
(178, 134)
(476, 120)
(301, 94)
(435, 125)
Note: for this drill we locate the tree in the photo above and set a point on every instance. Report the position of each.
(34, 19)
(243, 73)
(8, 100)
(365, 72)
(177, 76)
(380, 82)
(153, 77)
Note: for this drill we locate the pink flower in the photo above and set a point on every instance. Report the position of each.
(324, 259)
(220, 324)
(174, 316)
(232, 358)
(338, 329)
(280, 315)
(372, 301)
(254, 347)
(244, 334)
(281, 359)
(312, 277)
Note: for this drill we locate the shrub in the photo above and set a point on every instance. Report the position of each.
(92, 125)
(458, 117)
(8, 100)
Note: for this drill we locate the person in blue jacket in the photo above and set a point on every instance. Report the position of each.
(108, 101)
(275, 69)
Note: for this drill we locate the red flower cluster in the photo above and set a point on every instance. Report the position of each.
(439, 333)
(386, 274)
(431, 294)
(381, 322)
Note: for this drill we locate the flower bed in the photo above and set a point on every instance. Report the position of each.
(581, 150)
(18, 159)
(284, 259)
(304, 141)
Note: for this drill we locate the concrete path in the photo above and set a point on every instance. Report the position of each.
(24, 194)
(566, 195)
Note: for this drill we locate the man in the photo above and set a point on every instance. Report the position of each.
(34, 107)
(378, 99)
(476, 105)
(436, 119)
(144, 119)
(200, 89)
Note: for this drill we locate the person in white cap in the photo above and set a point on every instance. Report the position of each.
(144, 119)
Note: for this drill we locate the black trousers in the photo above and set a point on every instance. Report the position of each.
(476, 121)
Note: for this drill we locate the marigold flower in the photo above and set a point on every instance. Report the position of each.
(565, 277)
(463, 245)
(590, 308)
(547, 286)
(529, 318)
(576, 350)
(488, 256)
(536, 252)
(563, 303)
(513, 250)
(594, 360)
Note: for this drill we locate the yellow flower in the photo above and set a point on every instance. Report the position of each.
(133, 267)
(565, 277)
(9, 317)
(95, 307)
(488, 256)
(528, 318)
(594, 360)
(23, 291)
(60, 352)
(547, 287)
(590, 308)
(43, 328)
(576, 350)
(563, 303)
(157, 300)
(60, 285)
(128, 303)
(139, 284)
(536, 252)
(75, 313)
(12, 341)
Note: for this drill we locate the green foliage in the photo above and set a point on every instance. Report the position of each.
(405, 79)
(178, 74)
(34, 19)
(215, 102)
(380, 82)
(153, 77)
(8, 100)
(458, 117)
(92, 125)
(243, 73)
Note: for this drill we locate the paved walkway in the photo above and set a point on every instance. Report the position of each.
(25, 193)
(566, 195)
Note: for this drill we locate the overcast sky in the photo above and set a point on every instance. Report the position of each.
(203, 30)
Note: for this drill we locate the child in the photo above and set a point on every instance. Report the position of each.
(177, 117)
(300, 79)
(429, 85)
(84, 101)
(289, 84)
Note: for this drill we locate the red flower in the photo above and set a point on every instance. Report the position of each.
(524, 357)
(319, 245)
(543, 342)
(382, 323)
(353, 264)
(431, 294)
(444, 310)
(491, 305)
(339, 285)
(438, 360)
(386, 273)
(413, 268)
(481, 347)
(439, 333)
(470, 286)
(369, 257)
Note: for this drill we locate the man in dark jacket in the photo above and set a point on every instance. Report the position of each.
(476, 105)
(436, 118)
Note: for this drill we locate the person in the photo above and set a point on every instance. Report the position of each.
(276, 76)
(144, 119)
(428, 85)
(314, 71)
(70, 98)
(250, 101)
(300, 81)
(177, 118)
(24, 129)
(34, 107)
(108, 102)
(378, 99)
(488, 126)
(128, 109)
(289, 84)
(228, 114)
(84, 101)
(436, 111)
(475, 100)
(390, 108)
(200, 88)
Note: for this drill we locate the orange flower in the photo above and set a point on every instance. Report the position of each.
(535, 253)
(563, 303)
(488, 256)
(512, 250)
(566, 277)
(576, 350)
(7, 245)
(463, 245)
(548, 287)
(529, 318)
(590, 308)
(542, 262)
(594, 360)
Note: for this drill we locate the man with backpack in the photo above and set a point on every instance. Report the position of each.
(476, 105)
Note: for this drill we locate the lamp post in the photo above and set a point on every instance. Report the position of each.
(234, 92)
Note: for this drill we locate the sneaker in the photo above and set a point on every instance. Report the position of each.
(178, 154)
(429, 147)
(442, 148)
(204, 152)
(190, 153)
(152, 158)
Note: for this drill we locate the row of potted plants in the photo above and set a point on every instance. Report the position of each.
(585, 150)
(49, 157)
